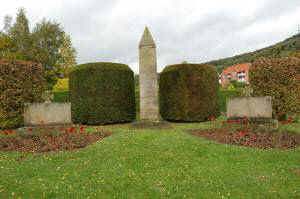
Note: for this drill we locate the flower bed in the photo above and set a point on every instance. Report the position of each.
(240, 132)
(48, 139)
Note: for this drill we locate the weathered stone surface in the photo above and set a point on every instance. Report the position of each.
(47, 114)
(251, 107)
(148, 78)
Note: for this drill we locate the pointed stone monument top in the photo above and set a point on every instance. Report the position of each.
(147, 39)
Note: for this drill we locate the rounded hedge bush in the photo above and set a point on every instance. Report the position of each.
(102, 93)
(188, 92)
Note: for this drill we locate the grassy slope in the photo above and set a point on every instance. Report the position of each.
(152, 164)
(280, 49)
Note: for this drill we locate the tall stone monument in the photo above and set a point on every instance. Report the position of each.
(148, 78)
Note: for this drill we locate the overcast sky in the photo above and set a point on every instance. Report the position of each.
(184, 30)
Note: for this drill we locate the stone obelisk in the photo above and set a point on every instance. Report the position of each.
(148, 78)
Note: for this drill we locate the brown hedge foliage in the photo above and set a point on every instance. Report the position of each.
(279, 78)
(20, 82)
(188, 92)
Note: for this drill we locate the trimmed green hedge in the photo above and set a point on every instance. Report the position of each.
(188, 92)
(102, 93)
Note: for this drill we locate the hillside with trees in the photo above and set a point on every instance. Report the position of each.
(281, 49)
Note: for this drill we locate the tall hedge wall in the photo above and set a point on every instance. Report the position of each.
(102, 93)
(279, 78)
(188, 92)
(20, 82)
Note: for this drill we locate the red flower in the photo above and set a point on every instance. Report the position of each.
(242, 133)
(245, 120)
(7, 132)
(81, 129)
(211, 118)
(290, 119)
(71, 130)
(30, 129)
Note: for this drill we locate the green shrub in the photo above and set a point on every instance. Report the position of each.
(223, 95)
(188, 92)
(102, 93)
(238, 85)
(20, 82)
(278, 78)
(61, 85)
(137, 93)
(61, 96)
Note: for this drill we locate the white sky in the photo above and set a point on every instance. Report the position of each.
(196, 31)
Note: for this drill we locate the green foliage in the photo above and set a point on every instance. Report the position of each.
(224, 95)
(295, 54)
(137, 93)
(61, 96)
(102, 93)
(20, 82)
(281, 49)
(47, 44)
(61, 91)
(230, 87)
(188, 92)
(68, 55)
(48, 38)
(238, 85)
(20, 34)
(8, 48)
(61, 85)
(278, 78)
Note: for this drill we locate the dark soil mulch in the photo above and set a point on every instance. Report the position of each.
(254, 139)
(49, 141)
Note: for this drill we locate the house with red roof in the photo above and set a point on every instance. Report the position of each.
(238, 72)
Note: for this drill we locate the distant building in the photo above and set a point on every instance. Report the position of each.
(237, 72)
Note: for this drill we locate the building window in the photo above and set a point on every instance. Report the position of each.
(241, 76)
(241, 79)
(228, 76)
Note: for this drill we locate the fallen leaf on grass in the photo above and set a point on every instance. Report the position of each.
(296, 172)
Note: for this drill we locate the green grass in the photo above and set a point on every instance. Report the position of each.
(293, 127)
(166, 163)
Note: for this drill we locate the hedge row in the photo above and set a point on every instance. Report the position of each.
(20, 82)
(279, 78)
(223, 95)
(102, 93)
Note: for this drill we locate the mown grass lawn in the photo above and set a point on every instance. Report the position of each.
(153, 163)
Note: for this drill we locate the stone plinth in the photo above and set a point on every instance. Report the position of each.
(251, 107)
(47, 114)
